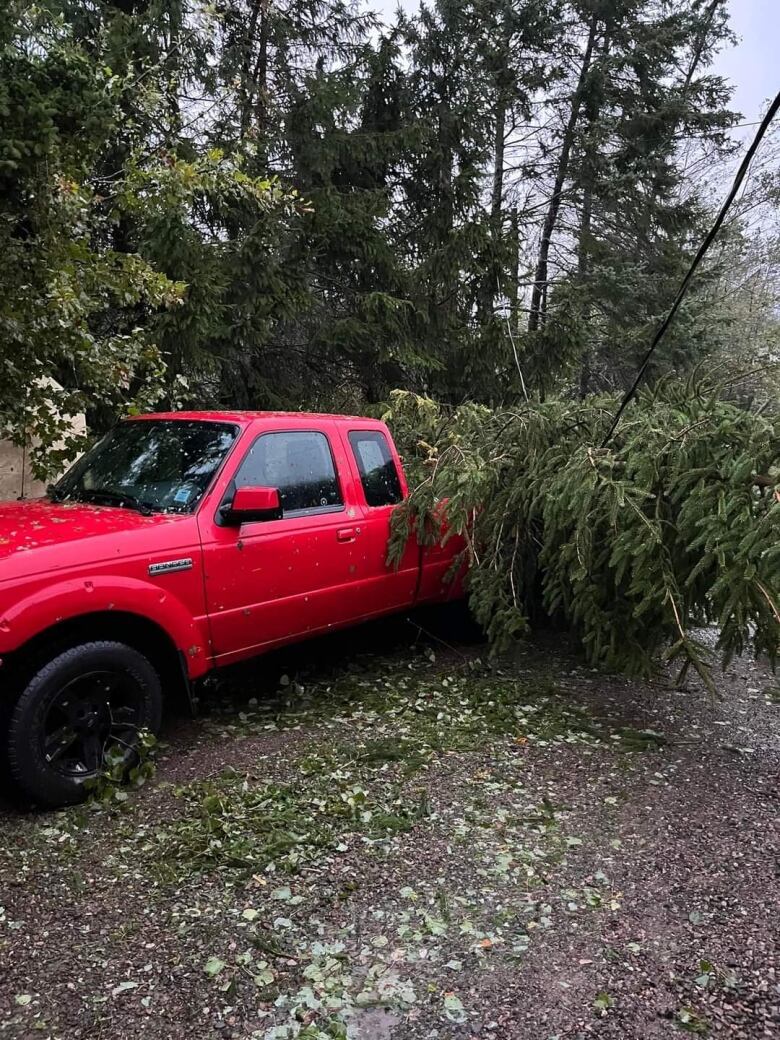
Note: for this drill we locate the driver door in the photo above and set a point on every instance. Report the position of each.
(270, 582)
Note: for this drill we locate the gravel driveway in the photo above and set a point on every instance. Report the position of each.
(403, 842)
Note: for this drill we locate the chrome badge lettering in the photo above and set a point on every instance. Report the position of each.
(170, 565)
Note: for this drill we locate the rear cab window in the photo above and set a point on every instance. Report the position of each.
(377, 467)
(299, 463)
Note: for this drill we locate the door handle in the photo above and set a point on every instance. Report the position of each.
(345, 534)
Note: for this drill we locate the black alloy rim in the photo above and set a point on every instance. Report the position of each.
(96, 714)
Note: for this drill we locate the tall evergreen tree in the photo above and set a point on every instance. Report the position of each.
(337, 207)
(618, 199)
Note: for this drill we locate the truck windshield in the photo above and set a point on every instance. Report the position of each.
(157, 465)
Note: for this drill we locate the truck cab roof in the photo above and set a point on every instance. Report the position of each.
(244, 418)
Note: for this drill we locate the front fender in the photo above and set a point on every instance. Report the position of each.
(65, 600)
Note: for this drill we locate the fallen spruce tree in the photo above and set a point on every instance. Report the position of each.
(673, 525)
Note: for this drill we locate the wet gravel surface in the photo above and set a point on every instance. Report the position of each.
(614, 875)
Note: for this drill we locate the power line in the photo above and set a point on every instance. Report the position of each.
(739, 178)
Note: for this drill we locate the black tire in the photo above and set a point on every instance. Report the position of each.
(100, 694)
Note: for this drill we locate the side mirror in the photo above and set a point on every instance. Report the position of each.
(252, 504)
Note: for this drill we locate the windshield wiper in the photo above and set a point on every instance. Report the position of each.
(115, 497)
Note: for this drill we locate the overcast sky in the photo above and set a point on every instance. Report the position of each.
(753, 65)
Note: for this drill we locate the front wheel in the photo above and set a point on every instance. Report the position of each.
(88, 702)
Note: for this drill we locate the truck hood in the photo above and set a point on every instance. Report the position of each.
(32, 530)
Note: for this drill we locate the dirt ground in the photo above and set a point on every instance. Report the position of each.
(382, 837)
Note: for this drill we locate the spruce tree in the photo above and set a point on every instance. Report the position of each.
(619, 196)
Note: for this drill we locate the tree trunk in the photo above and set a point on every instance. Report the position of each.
(255, 78)
(539, 294)
(497, 193)
(701, 40)
(586, 220)
(582, 272)
(446, 212)
(513, 248)
(173, 85)
(261, 72)
(490, 282)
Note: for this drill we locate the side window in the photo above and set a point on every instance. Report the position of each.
(377, 467)
(299, 464)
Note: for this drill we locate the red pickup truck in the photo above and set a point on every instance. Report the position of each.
(180, 543)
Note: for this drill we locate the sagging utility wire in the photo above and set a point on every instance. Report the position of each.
(738, 179)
